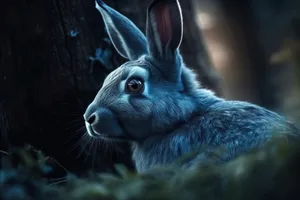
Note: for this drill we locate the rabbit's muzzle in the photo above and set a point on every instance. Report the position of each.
(102, 122)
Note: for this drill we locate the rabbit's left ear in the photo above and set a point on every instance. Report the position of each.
(127, 39)
(164, 28)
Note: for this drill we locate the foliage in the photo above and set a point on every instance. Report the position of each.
(271, 173)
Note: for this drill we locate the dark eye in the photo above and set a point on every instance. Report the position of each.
(134, 86)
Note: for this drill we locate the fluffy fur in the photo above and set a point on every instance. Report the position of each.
(173, 115)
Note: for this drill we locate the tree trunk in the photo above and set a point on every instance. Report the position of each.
(46, 80)
(276, 21)
(264, 26)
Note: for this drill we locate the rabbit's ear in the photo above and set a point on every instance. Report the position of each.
(164, 28)
(128, 40)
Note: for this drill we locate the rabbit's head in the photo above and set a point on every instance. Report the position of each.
(153, 93)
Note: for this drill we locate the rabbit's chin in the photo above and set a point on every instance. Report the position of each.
(93, 133)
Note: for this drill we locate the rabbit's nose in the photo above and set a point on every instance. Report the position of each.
(91, 115)
(91, 119)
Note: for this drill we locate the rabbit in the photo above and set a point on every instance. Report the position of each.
(154, 102)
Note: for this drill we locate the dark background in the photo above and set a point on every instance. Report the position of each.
(51, 66)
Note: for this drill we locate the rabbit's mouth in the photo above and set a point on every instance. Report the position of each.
(111, 138)
(93, 133)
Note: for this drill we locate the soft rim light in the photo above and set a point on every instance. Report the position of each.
(205, 21)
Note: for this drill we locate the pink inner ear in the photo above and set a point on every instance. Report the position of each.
(163, 20)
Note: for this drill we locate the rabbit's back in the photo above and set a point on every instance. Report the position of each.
(244, 124)
(237, 127)
(233, 128)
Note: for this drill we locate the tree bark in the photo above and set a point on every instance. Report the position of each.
(45, 77)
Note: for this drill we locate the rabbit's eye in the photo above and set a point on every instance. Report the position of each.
(135, 86)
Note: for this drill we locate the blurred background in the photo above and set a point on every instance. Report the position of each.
(55, 54)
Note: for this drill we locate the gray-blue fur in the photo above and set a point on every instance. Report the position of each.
(174, 115)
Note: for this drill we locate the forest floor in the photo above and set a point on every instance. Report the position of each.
(271, 173)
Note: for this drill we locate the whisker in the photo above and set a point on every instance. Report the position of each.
(114, 148)
(77, 143)
(74, 135)
(80, 129)
(110, 150)
(77, 132)
(74, 114)
(99, 146)
(91, 146)
(118, 149)
(95, 153)
(57, 179)
(85, 140)
(75, 120)
(52, 160)
(105, 146)
(64, 179)
(74, 123)
(4, 152)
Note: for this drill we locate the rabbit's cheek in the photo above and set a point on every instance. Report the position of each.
(107, 123)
